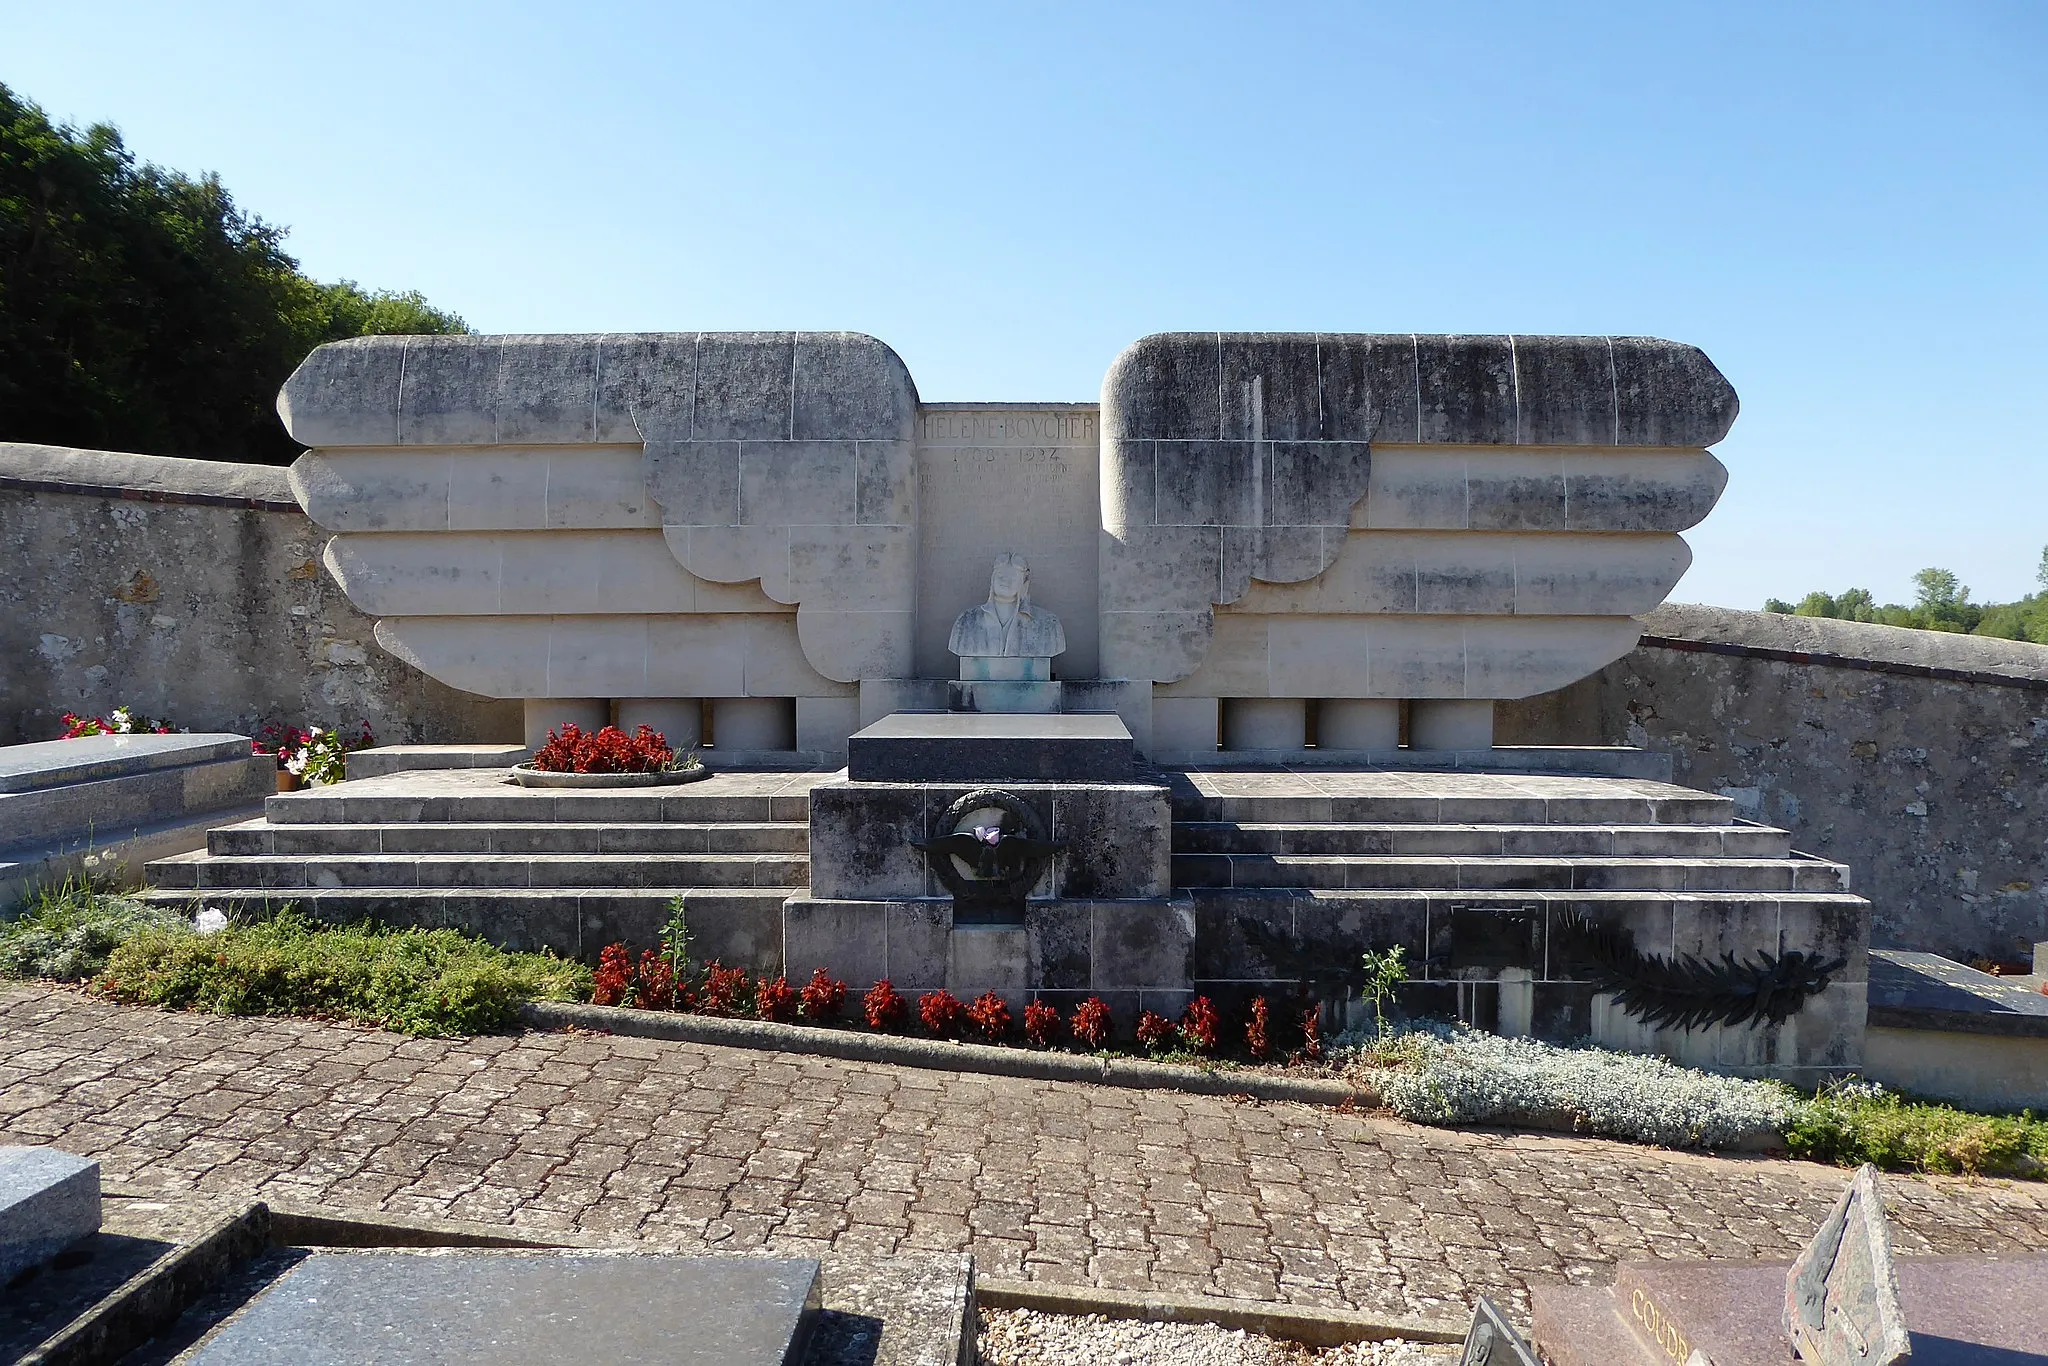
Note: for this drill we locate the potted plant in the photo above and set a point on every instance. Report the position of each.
(312, 756)
(608, 757)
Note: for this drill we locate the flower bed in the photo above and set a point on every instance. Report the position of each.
(119, 721)
(608, 757)
(667, 979)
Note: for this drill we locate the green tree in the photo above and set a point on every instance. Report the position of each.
(141, 309)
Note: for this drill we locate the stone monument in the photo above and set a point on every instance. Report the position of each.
(1382, 532)
(1846, 1301)
(1322, 555)
(1006, 647)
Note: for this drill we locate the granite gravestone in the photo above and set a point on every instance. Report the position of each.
(48, 1201)
(1845, 1300)
(506, 1308)
(1842, 1294)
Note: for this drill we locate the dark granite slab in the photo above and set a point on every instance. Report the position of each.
(49, 1200)
(911, 747)
(507, 1308)
(1961, 1311)
(1927, 991)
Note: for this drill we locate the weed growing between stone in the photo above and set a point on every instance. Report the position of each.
(1449, 1076)
(67, 932)
(1860, 1122)
(421, 982)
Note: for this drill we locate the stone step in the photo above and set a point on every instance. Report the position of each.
(506, 805)
(1373, 872)
(738, 925)
(1610, 841)
(206, 872)
(1672, 806)
(260, 837)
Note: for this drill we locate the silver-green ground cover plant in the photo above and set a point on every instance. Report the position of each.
(1458, 1075)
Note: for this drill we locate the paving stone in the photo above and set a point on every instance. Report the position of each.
(693, 1148)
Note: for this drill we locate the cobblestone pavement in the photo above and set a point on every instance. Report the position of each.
(686, 1145)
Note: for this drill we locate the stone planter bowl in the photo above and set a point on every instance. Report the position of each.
(526, 775)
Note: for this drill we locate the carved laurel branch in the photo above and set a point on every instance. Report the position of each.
(1687, 992)
(1684, 991)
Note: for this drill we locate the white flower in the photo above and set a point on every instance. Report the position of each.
(297, 763)
(210, 921)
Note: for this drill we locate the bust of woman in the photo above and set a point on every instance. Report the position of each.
(1007, 626)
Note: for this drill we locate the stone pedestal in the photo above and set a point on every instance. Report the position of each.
(1264, 723)
(1018, 697)
(753, 723)
(1450, 723)
(1099, 918)
(935, 746)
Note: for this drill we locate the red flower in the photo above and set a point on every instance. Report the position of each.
(1154, 1030)
(1257, 1035)
(1200, 1025)
(726, 990)
(614, 976)
(1042, 1024)
(940, 1010)
(776, 1001)
(609, 750)
(990, 1016)
(1091, 1022)
(883, 1007)
(656, 988)
(1312, 1033)
(822, 997)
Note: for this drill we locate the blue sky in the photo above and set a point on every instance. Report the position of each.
(1845, 205)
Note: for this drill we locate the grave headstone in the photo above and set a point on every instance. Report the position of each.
(1842, 1294)
(473, 1307)
(48, 1201)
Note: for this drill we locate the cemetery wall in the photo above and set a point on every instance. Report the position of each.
(1919, 759)
(191, 590)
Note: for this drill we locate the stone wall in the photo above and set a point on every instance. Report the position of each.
(1917, 758)
(193, 591)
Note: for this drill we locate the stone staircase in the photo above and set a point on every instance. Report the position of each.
(528, 869)
(1477, 874)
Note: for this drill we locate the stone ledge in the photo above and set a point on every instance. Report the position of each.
(1829, 643)
(939, 1056)
(149, 478)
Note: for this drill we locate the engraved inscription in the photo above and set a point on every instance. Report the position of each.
(1001, 427)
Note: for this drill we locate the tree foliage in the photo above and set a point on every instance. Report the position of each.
(1940, 603)
(141, 309)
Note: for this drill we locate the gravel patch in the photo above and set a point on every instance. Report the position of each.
(1025, 1337)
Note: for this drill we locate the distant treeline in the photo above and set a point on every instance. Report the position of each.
(1940, 603)
(141, 310)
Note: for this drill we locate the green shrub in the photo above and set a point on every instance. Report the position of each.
(1858, 1123)
(67, 932)
(422, 982)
